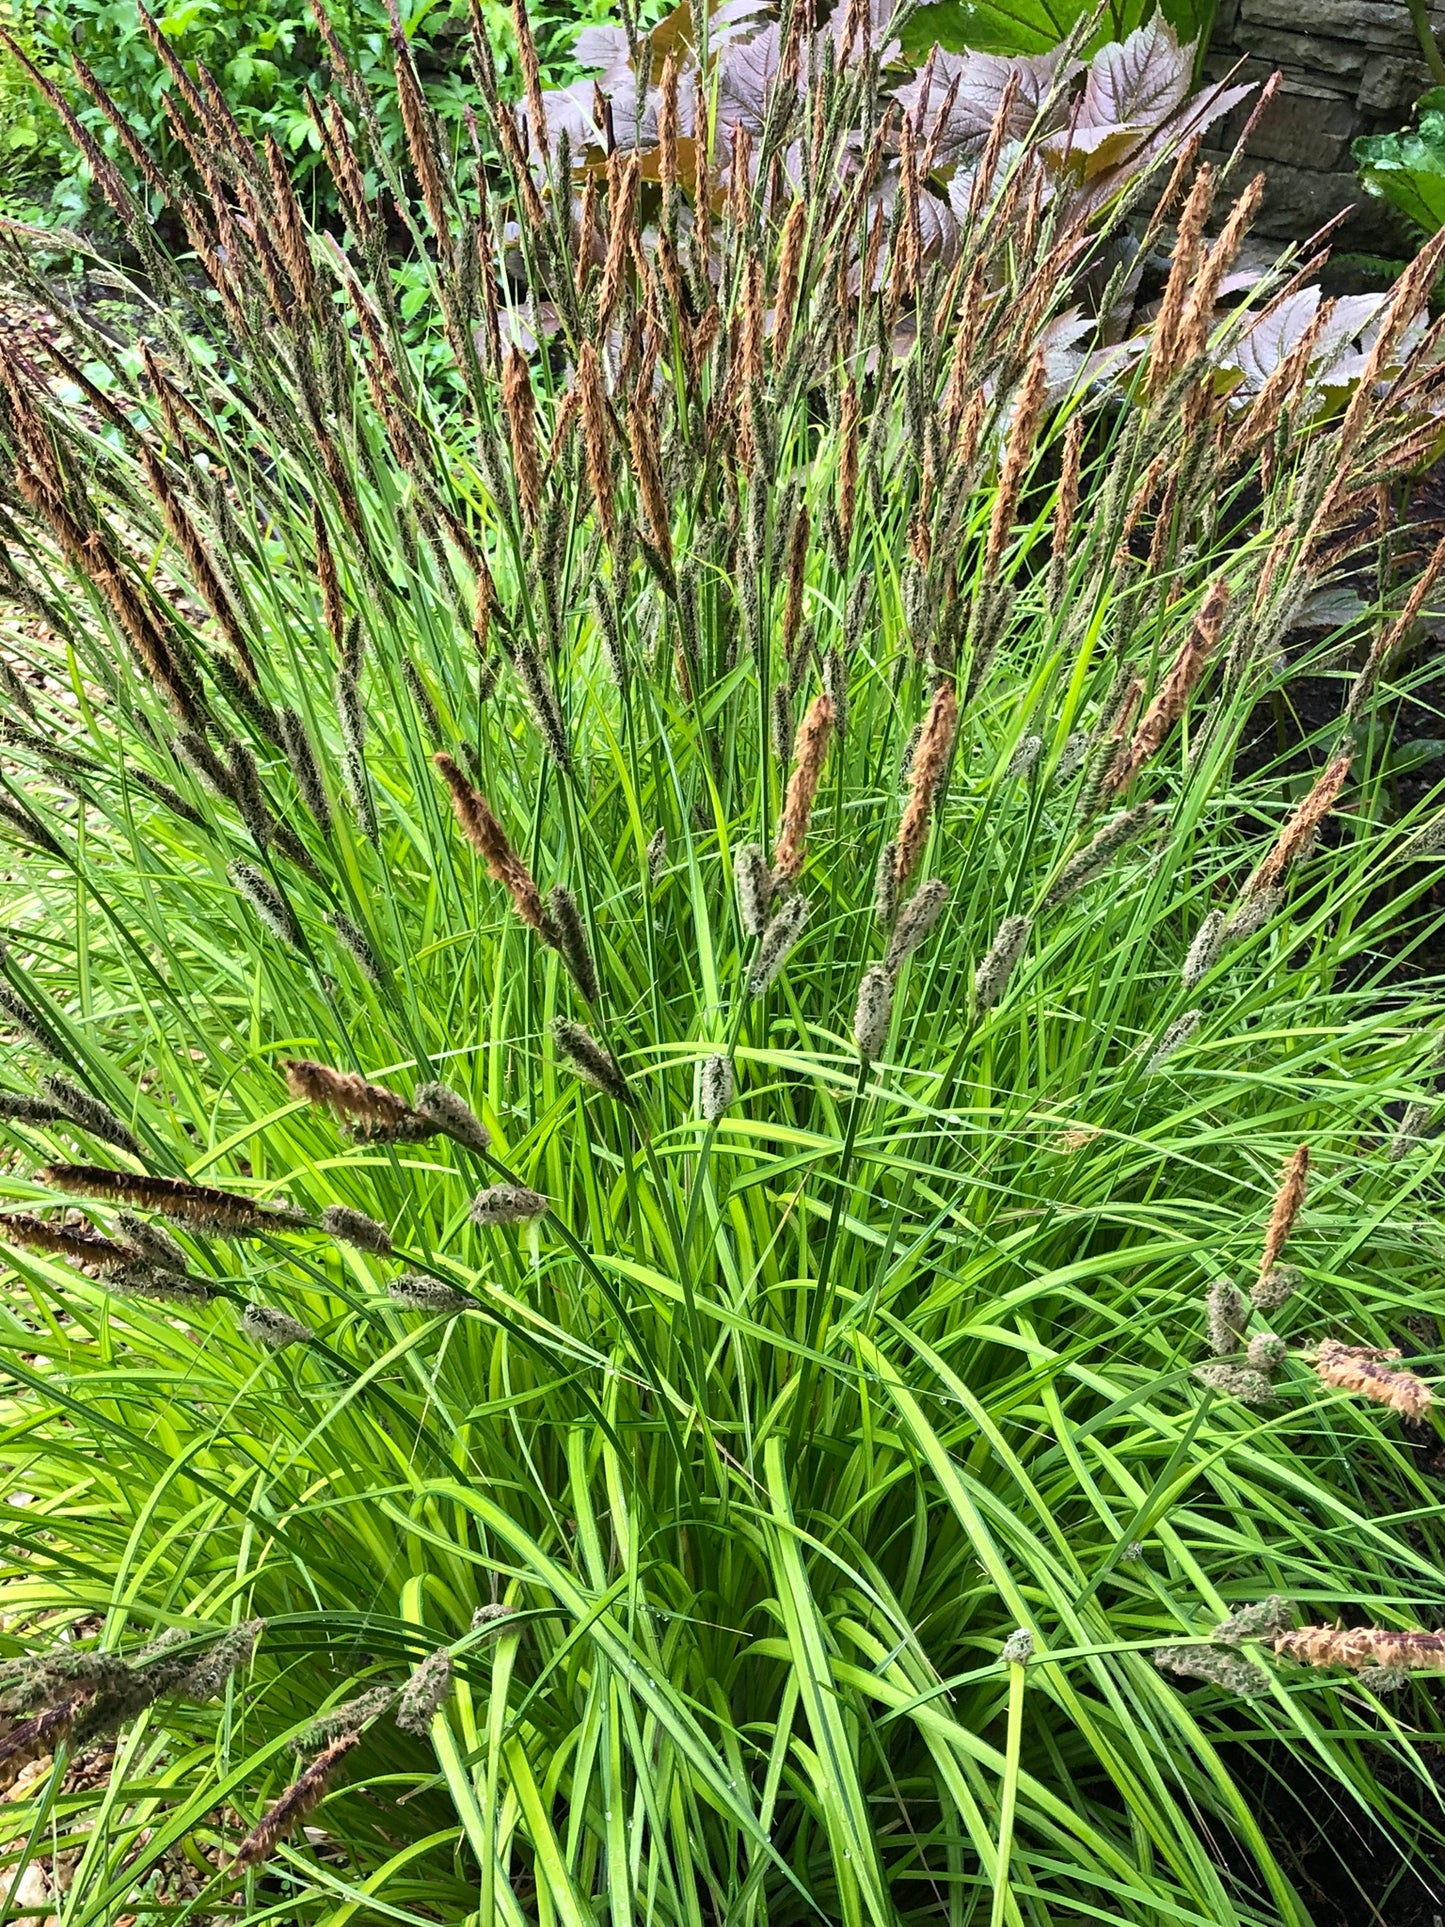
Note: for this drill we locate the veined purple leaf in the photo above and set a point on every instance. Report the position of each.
(1207, 107)
(1344, 365)
(1093, 151)
(571, 109)
(746, 72)
(880, 13)
(601, 50)
(1143, 79)
(1341, 350)
(1267, 341)
(982, 79)
(1063, 357)
(1147, 147)
(733, 18)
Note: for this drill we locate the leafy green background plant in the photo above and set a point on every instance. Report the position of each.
(31, 137)
(1033, 26)
(265, 59)
(1408, 168)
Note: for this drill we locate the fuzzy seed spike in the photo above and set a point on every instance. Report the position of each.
(809, 753)
(927, 769)
(301, 1798)
(489, 840)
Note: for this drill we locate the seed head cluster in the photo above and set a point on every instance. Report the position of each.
(507, 1204)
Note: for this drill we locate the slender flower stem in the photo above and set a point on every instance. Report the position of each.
(1419, 12)
(1005, 1907)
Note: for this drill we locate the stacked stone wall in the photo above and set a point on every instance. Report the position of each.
(1349, 67)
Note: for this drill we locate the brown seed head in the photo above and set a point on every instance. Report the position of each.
(797, 567)
(667, 129)
(420, 134)
(1017, 453)
(531, 74)
(993, 146)
(873, 249)
(302, 1797)
(1138, 503)
(106, 175)
(521, 412)
(291, 239)
(1218, 260)
(740, 177)
(1165, 350)
(595, 432)
(849, 412)
(203, 572)
(343, 166)
(1299, 831)
(346, 1094)
(140, 160)
(586, 235)
(930, 762)
(489, 840)
(331, 599)
(809, 751)
(907, 244)
(486, 596)
(1360, 1646)
(1067, 501)
(1174, 692)
(76, 1241)
(623, 179)
(749, 361)
(568, 411)
(1285, 1210)
(192, 1204)
(790, 262)
(647, 467)
(88, 553)
(1361, 1369)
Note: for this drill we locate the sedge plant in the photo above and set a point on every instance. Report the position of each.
(690, 1105)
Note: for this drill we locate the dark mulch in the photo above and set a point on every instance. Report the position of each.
(1349, 1871)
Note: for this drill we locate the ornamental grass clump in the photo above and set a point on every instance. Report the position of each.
(576, 1142)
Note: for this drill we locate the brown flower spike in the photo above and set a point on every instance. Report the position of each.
(1173, 694)
(302, 1797)
(521, 413)
(86, 1246)
(849, 413)
(348, 1095)
(930, 762)
(1288, 1200)
(194, 1204)
(489, 840)
(595, 436)
(1018, 452)
(810, 750)
(1361, 1368)
(1299, 830)
(1360, 1646)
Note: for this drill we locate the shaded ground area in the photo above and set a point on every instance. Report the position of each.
(1347, 1869)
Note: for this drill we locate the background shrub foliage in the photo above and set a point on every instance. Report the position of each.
(266, 59)
(651, 998)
